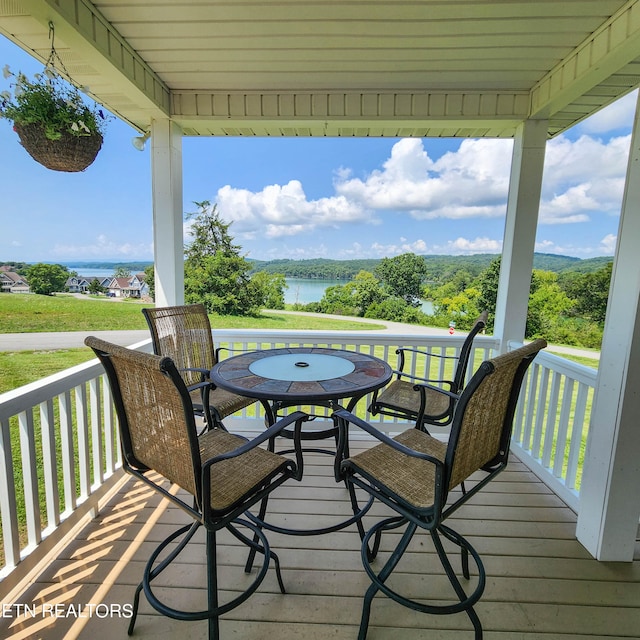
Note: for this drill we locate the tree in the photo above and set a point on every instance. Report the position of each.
(403, 276)
(95, 287)
(366, 290)
(488, 285)
(214, 271)
(548, 304)
(122, 272)
(591, 292)
(338, 299)
(271, 286)
(150, 279)
(46, 279)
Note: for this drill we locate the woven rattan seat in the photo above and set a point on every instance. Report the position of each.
(415, 474)
(223, 474)
(183, 333)
(425, 400)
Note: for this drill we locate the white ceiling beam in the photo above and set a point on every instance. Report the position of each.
(80, 26)
(392, 110)
(612, 46)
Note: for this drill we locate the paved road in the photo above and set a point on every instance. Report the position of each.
(66, 340)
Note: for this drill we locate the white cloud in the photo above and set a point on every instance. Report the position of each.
(616, 115)
(477, 245)
(583, 178)
(608, 244)
(103, 248)
(470, 182)
(380, 250)
(283, 210)
(606, 247)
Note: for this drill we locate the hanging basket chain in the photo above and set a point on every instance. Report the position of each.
(69, 152)
(54, 57)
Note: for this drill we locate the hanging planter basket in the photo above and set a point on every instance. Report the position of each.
(69, 153)
(55, 125)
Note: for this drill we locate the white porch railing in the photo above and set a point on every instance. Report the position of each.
(552, 421)
(59, 450)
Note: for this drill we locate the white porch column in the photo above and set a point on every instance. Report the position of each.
(166, 176)
(520, 231)
(610, 492)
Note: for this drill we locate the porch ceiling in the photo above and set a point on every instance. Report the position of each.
(467, 68)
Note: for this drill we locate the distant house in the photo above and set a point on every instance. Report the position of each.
(103, 281)
(11, 282)
(77, 284)
(131, 287)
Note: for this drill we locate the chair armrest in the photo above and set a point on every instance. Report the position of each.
(204, 373)
(428, 381)
(400, 351)
(345, 418)
(218, 350)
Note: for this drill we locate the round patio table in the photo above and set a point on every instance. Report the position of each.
(316, 376)
(302, 375)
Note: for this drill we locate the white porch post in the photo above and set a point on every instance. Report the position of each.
(166, 172)
(610, 492)
(520, 231)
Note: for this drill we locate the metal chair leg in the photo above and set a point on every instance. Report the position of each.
(259, 518)
(378, 581)
(212, 587)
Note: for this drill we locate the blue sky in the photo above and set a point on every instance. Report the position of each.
(306, 198)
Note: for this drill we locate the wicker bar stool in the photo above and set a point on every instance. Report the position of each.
(183, 333)
(423, 400)
(223, 474)
(414, 474)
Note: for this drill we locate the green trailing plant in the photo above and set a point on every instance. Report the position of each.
(56, 126)
(51, 102)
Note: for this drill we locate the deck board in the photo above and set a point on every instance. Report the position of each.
(541, 583)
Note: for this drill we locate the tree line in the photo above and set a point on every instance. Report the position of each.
(567, 297)
(568, 308)
(439, 268)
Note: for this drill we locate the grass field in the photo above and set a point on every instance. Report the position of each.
(32, 313)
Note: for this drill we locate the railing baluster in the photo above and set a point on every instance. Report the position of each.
(577, 430)
(563, 427)
(552, 415)
(96, 431)
(82, 430)
(8, 505)
(66, 443)
(30, 477)
(543, 391)
(531, 411)
(109, 427)
(50, 464)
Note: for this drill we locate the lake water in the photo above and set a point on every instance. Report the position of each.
(306, 290)
(301, 290)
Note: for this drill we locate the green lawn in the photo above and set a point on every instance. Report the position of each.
(33, 313)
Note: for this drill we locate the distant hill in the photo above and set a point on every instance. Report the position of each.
(439, 267)
(133, 267)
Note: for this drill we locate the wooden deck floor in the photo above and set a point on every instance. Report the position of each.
(541, 584)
